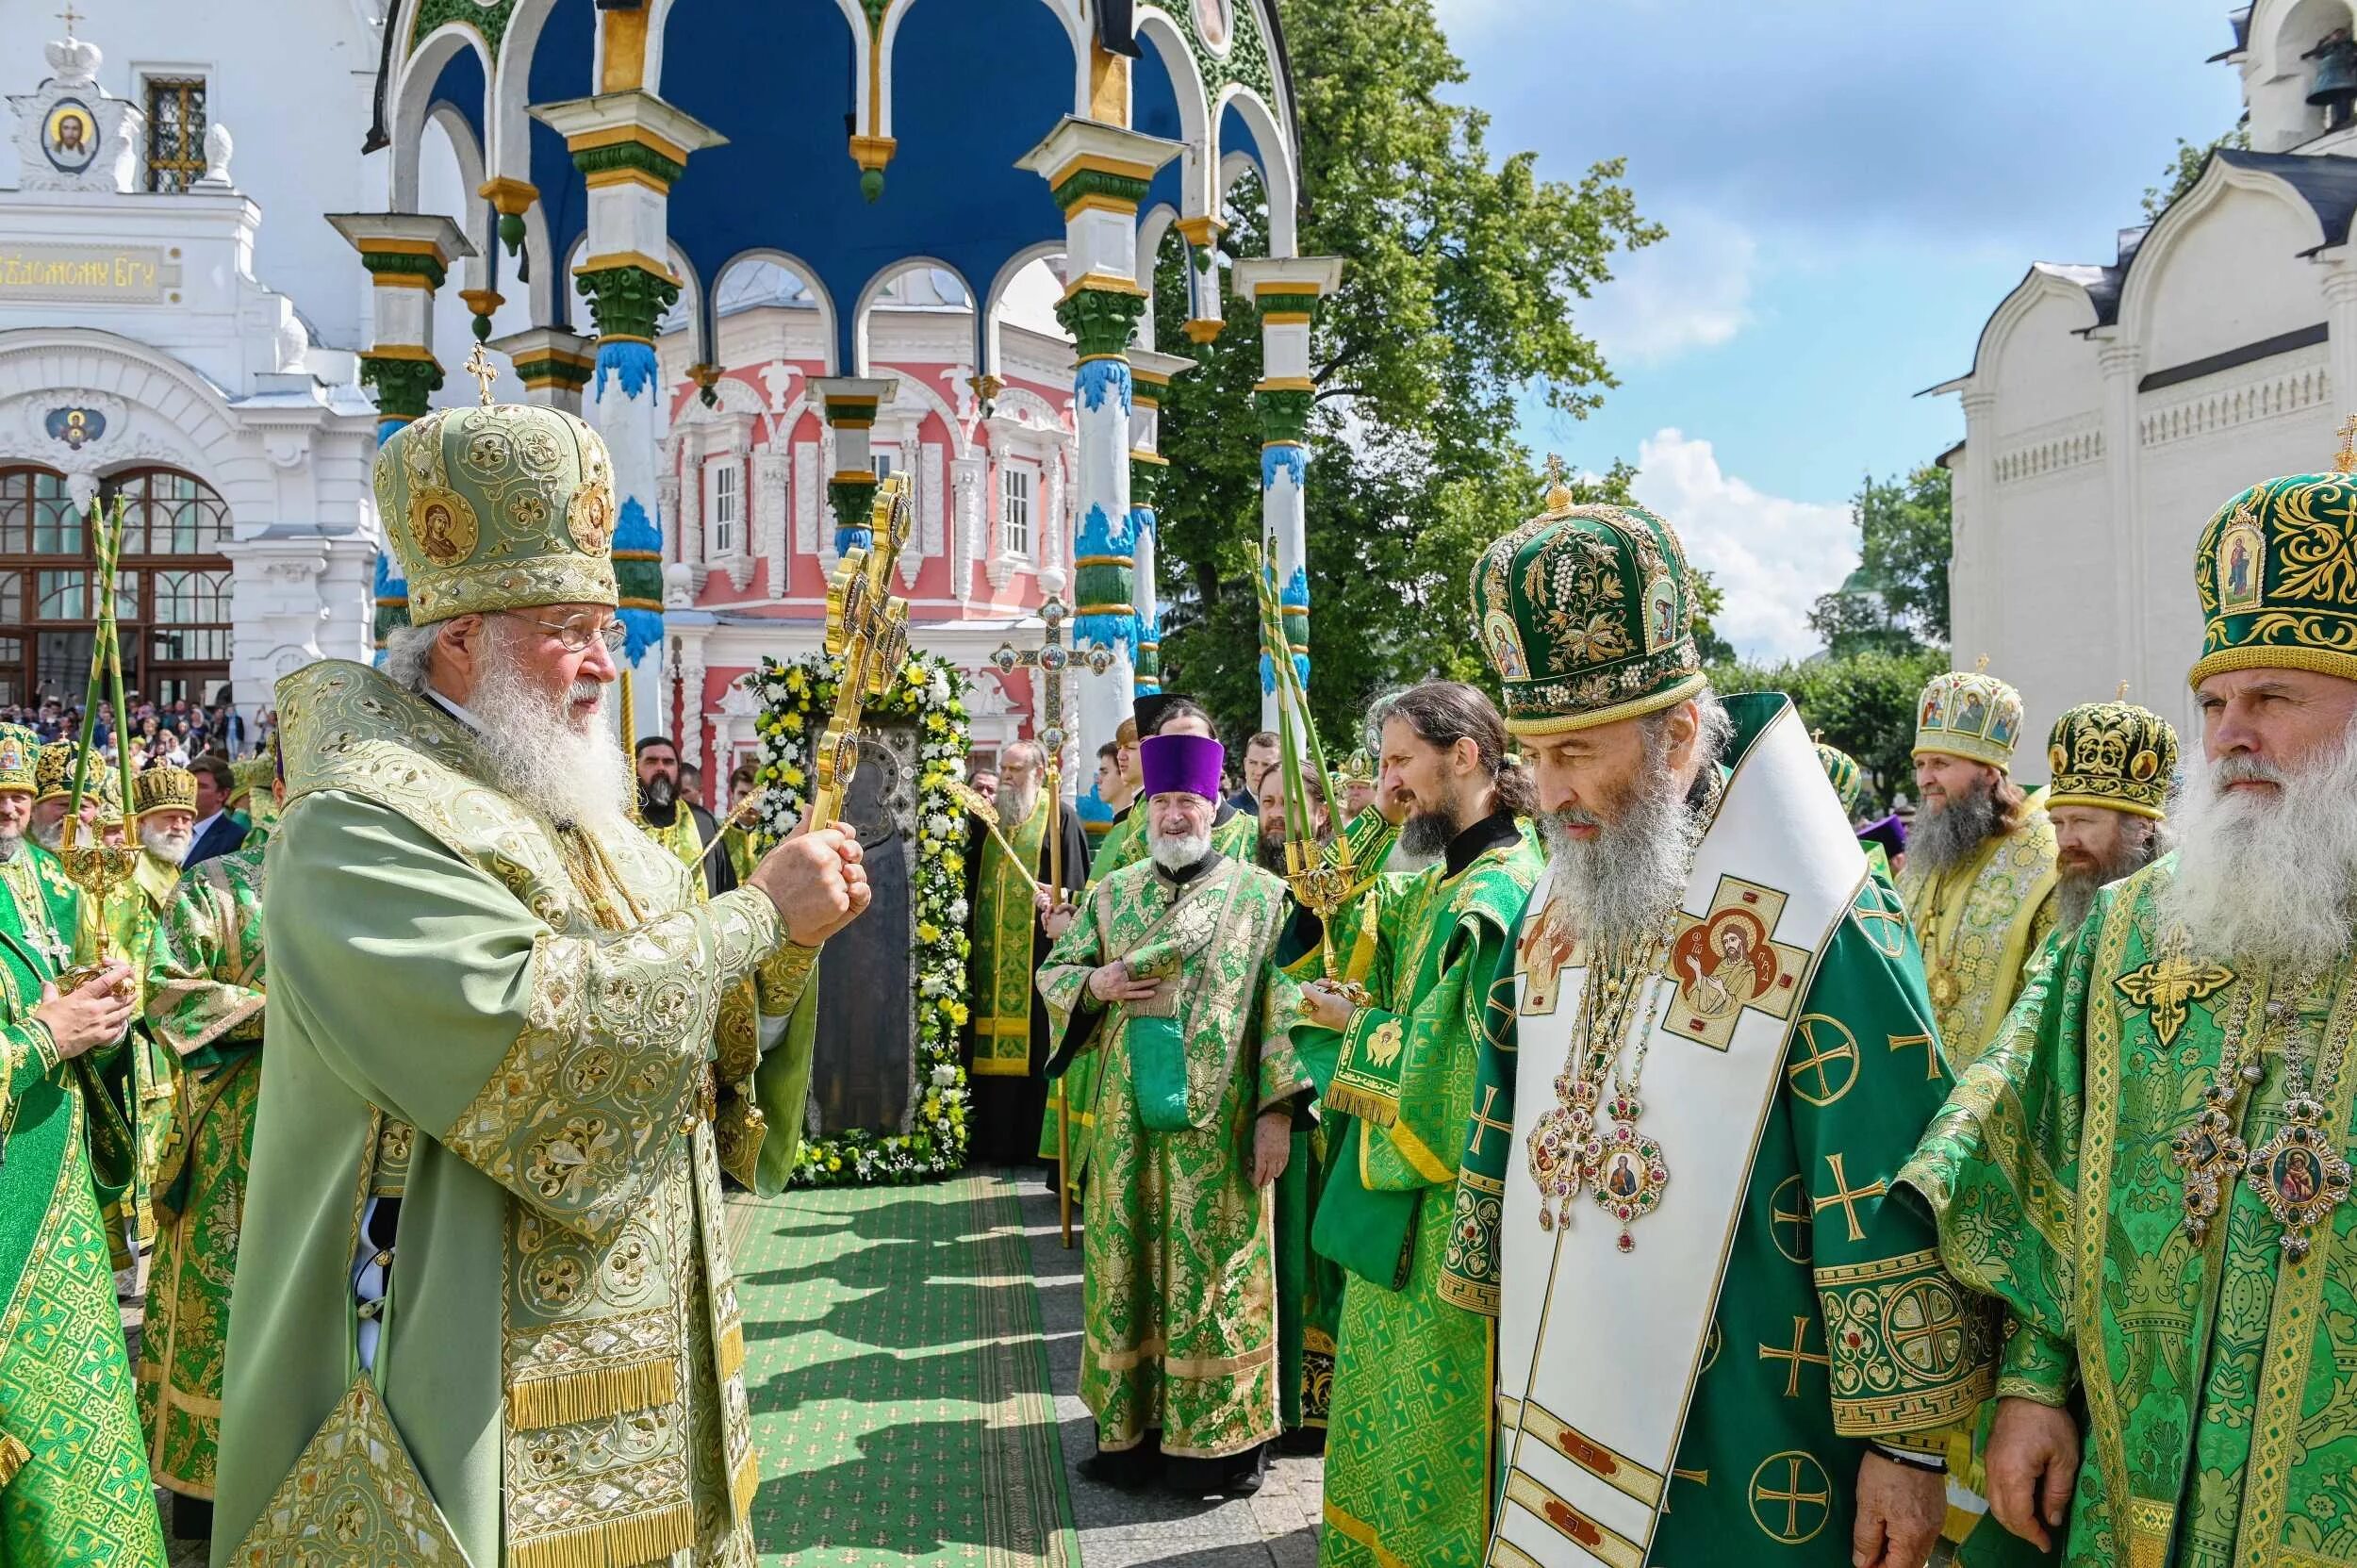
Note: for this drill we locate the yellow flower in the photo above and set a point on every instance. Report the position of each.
(927, 932)
(790, 721)
(792, 775)
(835, 1162)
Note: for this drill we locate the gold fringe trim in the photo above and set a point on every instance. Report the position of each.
(616, 1544)
(604, 1391)
(732, 1350)
(1365, 1104)
(743, 1483)
(12, 1457)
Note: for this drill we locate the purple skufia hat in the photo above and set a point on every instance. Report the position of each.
(1181, 765)
(1890, 832)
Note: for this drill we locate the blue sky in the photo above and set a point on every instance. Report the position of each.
(1850, 187)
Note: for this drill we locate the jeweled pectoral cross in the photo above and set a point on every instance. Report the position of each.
(2163, 986)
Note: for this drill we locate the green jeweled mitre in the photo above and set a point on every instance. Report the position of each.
(2276, 574)
(1842, 771)
(20, 758)
(502, 508)
(1587, 615)
(1969, 714)
(2112, 754)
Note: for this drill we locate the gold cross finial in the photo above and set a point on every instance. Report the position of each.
(2122, 694)
(1558, 497)
(70, 16)
(1980, 664)
(2346, 460)
(480, 367)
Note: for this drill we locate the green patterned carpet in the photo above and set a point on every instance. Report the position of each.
(898, 1381)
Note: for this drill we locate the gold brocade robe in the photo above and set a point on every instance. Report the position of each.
(531, 1016)
(1980, 924)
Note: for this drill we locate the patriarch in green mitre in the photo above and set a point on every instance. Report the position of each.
(2149, 1164)
(484, 1309)
(1703, 1061)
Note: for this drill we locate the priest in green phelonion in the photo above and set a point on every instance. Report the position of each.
(1169, 979)
(2149, 1165)
(1718, 1339)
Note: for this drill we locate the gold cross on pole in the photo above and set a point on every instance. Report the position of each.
(70, 16)
(2347, 461)
(1799, 1356)
(480, 367)
(1846, 1197)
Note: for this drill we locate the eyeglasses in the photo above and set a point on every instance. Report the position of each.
(576, 631)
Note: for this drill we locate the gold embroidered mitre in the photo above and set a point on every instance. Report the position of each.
(1969, 714)
(2112, 754)
(502, 508)
(163, 788)
(2276, 572)
(20, 750)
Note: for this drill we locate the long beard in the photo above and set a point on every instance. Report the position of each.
(2267, 877)
(2075, 887)
(570, 777)
(1943, 839)
(1014, 806)
(49, 836)
(1177, 854)
(1620, 885)
(169, 845)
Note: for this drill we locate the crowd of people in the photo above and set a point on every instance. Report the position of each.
(175, 731)
(1577, 1131)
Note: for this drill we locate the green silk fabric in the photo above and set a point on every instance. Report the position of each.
(2215, 1376)
(1002, 948)
(1409, 1444)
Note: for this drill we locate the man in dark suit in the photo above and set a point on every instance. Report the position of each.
(216, 832)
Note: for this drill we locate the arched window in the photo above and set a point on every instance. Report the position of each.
(171, 592)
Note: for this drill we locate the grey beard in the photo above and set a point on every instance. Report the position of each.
(1619, 885)
(2267, 878)
(569, 777)
(1177, 854)
(52, 836)
(169, 848)
(1944, 839)
(661, 792)
(11, 844)
(1014, 806)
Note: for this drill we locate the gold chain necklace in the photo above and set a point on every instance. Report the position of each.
(2300, 1174)
(1940, 942)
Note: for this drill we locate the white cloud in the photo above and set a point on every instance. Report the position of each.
(1691, 291)
(1771, 556)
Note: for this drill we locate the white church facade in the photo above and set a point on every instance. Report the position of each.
(2111, 408)
(179, 327)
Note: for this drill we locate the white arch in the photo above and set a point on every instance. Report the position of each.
(919, 390)
(875, 285)
(574, 310)
(1276, 164)
(547, 285)
(990, 360)
(2042, 283)
(1200, 163)
(507, 126)
(2277, 45)
(658, 24)
(701, 333)
(811, 280)
(186, 423)
(414, 100)
(2152, 257)
(474, 217)
(1152, 226)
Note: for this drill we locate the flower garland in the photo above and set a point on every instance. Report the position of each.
(797, 697)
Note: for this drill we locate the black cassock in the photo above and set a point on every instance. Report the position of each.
(1002, 1129)
(860, 1062)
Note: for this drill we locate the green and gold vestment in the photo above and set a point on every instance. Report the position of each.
(1979, 925)
(1179, 1285)
(204, 1004)
(2216, 1376)
(511, 1028)
(1237, 838)
(73, 1481)
(1409, 1456)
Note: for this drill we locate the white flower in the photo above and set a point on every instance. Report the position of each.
(938, 825)
(956, 912)
(945, 1075)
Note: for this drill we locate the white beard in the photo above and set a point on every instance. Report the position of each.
(2267, 877)
(50, 837)
(570, 777)
(169, 845)
(1177, 854)
(1619, 885)
(1014, 806)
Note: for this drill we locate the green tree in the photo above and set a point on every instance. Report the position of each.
(1461, 272)
(1863, 702)
(1896, 601)
(2187, 167)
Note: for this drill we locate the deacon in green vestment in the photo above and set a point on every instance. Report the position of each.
(1008, 1037)
(1979, 883)
(1234, 834)
(206, 983)
(1308, 1285)
(1170, 977)
(2148, 1166)
(1408, 1458)
(73, 1481)
(1716, 1336)
(482, 1300)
